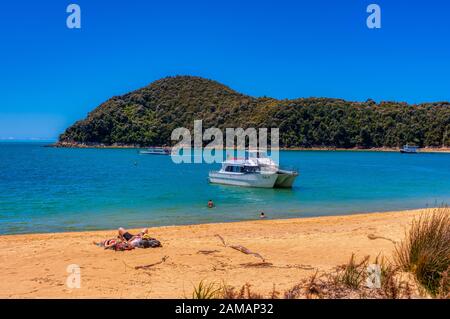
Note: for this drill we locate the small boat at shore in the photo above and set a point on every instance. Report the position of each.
(409, 149)
(155, 151)
(245, 173)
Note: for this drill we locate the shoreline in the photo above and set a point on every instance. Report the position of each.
(168, 226)
(35, 265)
(354, 149)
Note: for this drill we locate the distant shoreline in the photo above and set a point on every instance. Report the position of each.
(355, 149)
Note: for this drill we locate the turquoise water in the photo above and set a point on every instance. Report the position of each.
(51, 189)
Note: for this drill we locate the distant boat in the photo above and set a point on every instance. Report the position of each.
(155, 151)
(246, 173)
(409, 149)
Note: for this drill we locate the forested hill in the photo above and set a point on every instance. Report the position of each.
(147, 117)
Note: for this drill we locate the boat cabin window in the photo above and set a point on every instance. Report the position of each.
(241, 169)
(250, 169)
(234, 169)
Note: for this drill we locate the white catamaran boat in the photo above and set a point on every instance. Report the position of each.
(285, 178)
(156, 151)
(243, 173)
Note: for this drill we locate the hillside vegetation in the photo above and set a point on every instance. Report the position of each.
(147, 117)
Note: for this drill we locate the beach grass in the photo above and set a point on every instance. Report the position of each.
(207, 290)
(425, 251)
(352, 274)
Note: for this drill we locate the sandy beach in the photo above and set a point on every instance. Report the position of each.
(35, 265)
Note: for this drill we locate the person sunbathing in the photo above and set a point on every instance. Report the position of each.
(128, 237)
(124, 238)
(108, 243)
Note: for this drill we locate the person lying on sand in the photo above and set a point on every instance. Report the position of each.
(108, 243)
(127, 237)
(123, 237)
(127, 241)
(141, 240)
(118, 244)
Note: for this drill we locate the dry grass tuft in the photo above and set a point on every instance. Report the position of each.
(206, 290)
(425, 252)
(352, 274)
(245, 292)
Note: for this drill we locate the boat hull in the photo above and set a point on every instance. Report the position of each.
(244, 180)
(285, 179)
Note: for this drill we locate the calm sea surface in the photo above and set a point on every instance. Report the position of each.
(50, 189)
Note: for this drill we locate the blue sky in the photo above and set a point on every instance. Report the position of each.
(52, 76)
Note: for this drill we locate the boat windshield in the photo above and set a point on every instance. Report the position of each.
(250, 169)
(233, 168)
(241, 169)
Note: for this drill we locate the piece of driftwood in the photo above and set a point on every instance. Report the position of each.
(373, 237)
(244, 250)
(257, 265)
(240, 248)
(304, 267)
(151, 265)
(221, 239)
(270, 265)
(207, 252)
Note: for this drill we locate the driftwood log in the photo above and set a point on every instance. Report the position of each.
(240, 248)
(151, 265)
(373, 237)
